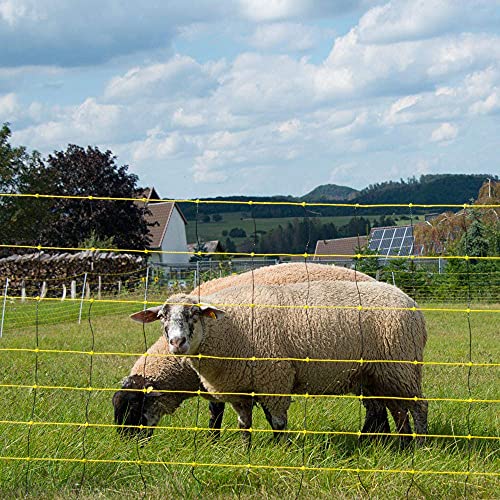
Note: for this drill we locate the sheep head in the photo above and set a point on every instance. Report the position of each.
(138, 404)
(181, 317)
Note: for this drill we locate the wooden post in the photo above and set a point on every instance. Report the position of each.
(73, 289)
(119, 286)
(4, 304)
(23, 291)
(99, 285)
(64, 292)
(43, 291)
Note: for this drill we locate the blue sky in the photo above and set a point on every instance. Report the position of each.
(257, 97)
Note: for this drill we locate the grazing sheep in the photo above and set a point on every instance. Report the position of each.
(135, 408)
(383, 333)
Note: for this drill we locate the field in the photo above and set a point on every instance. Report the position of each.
(59, 438)
(208, 231)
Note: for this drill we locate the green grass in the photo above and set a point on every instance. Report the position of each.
(208, 231)
(114, 333)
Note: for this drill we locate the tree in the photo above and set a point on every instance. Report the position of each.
(237, 232)
(12, 161)
(88, 172)
(19, 217)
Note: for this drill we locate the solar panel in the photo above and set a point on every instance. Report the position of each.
(392, 240)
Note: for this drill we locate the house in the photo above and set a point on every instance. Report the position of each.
(168, 229)
(339, 250)
(207, 247)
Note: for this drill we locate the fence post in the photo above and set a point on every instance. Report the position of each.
(83, 296)
(119, 286)
(43, 291)
(99, 284)
(4, 304)
(64, 292)
(73, 289)
(146, 288)
(23, 291)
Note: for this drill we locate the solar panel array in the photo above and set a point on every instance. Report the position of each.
(392, 240)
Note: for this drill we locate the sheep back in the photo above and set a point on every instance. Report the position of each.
(282, 274)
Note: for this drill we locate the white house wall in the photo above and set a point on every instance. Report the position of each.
(175, 241)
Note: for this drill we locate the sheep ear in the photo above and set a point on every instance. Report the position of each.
(147, 315)
(210, 311)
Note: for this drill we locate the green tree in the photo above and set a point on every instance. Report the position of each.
(19, 217)
(88, 172)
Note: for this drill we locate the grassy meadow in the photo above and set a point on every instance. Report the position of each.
(208, 231)
(105, 328)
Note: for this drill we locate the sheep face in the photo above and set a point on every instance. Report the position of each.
(182, 319)
(139, 408)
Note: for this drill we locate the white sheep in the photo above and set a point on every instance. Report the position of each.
(224, 325)
(133, 408)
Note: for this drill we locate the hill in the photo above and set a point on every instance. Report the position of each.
(330, 192)
(428, 189)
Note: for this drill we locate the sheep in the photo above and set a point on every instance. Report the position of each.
(135, 408)
(389, 331)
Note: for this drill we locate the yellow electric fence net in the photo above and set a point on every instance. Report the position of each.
(50, 373)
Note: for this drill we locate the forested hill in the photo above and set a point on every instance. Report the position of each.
(330, 192)
(429, 189)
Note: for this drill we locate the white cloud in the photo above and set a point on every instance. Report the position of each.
(289, 128)
(8, 106)
(404, 20)
(269, 10)
(89, 122)
(183, 119)
(489, 105)
(273, 10)
(445, 133)
(287, 36)
(179, 75)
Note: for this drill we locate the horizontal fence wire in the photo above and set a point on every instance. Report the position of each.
(148, 251)
(261, 306)
(250, 202)
(254, 430)
(306, 257)
(471, 364)
(252, 394)
(253, 466)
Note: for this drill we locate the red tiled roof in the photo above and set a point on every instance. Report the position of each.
(338, 246)
(160, 215)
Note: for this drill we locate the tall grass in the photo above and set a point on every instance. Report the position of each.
(107, 329)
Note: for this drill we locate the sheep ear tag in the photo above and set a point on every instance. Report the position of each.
(212, 312)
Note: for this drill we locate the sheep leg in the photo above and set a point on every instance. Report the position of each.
(216, 413)
(276, 412)
(401, 418)
(419, 413)
(376, 420)
(244, 411)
